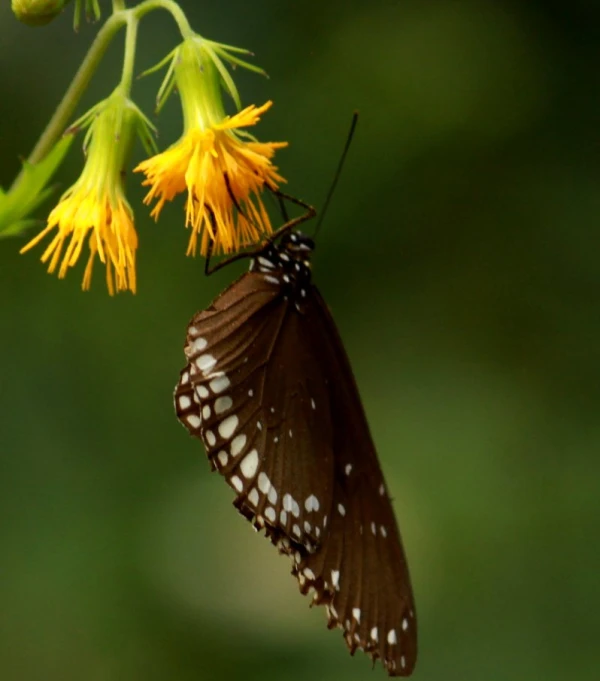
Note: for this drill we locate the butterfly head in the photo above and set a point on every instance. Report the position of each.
(297, 243)
(287, 262)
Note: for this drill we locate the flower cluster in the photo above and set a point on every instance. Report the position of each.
(220, 167)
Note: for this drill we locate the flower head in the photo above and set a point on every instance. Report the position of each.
(223, 168)
(94, 210)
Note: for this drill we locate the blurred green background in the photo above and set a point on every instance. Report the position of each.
(460, 258)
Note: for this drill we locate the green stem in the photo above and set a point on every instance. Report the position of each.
(65, 109)
(118, 5)
(129, 56)
(170, 6)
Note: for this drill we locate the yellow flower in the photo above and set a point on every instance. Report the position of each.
(94, 209)
(222, 167)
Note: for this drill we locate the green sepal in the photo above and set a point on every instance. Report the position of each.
(19, 202)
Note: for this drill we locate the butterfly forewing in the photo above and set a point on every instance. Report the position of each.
(261, 433)
(269, 389)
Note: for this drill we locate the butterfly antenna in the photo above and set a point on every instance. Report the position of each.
(338, 171)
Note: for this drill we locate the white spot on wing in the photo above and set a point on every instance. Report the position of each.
(237, 483)
(237, 444)
(335, 579)
(311, 503)
(283, 518)
(272, 495)
(223, 404)
(210, 438)
(184, 402)
(348, 468)
(404, 624)
(287, 502)
(253, 497)
(392, 639)
(227, 426)
(270, 279)
(206, 411)
(199, 344)
(205, 363)
(312, 403)
(223, 458)
(219, 383)
(249, 464)
(264, 484)
(194, 420)
(201, 391)
(374, 634)
(356, 614)
(341, 509)
(270, 514)
(383, 531)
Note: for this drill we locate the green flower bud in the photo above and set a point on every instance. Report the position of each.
(37, 12)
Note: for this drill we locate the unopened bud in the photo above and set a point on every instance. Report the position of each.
(37, 12)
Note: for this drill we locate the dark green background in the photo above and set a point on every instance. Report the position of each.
(460, 258)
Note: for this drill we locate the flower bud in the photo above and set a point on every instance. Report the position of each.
(37, 12)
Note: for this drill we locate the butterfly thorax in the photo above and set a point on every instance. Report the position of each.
(287, 263)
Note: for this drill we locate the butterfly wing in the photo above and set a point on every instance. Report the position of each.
(248, 392)
(360, 573)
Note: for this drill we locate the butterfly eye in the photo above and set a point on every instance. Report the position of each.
(269, 390)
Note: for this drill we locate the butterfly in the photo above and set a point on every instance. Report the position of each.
(269, 390)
